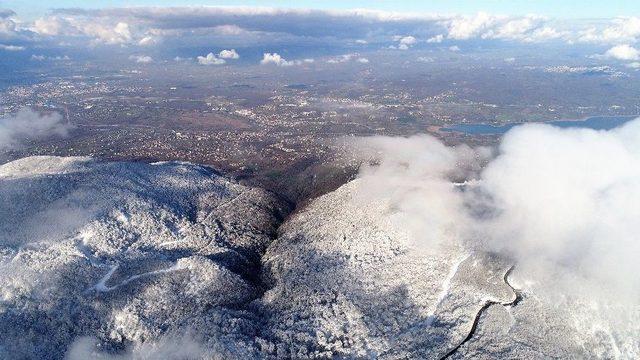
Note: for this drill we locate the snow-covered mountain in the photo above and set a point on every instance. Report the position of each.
(172, 260)
(126, 253)
(360, 287)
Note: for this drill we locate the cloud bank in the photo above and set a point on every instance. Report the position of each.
(239, 26)
(184, 31)
(562, 203)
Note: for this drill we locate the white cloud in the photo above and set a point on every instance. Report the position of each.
(51, 58)
(454, 48)
(348, 57)
(228, 54)
(27, 124)
(210, 59)
(11, 30)
(436, 39)
(408, 40)
(228, 26)
(404, 42)
(52, 26)
(148, 41)
(624, 52)
(119, 34)
(426, 59)
(98, 30)
(568, 197)
(562, 204)
(11, 47)
(276, 59)
(466, 27)
(619, 30)
(530, 28)
(141, 59)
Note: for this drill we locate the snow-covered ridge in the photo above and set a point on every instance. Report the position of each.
(123, 251)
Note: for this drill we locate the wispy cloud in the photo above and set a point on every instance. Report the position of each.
(27, 124)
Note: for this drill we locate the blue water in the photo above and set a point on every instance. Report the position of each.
(596, 123)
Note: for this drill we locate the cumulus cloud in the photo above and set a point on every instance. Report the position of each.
(561, 203)
(11, 33)
(119, 34)
(52, 26)
(228, 54)
(276, 59)
(530, 28)
(97, 30)
(435, 39)
(141, 59)
(619, 30)
(623, 52)
(27, 124)
(210, 59)
(406, 42)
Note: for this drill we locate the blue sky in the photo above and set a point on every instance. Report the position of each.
(29, 9)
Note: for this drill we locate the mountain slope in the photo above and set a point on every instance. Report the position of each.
(347, 281)
(126, 252)
(172, 260)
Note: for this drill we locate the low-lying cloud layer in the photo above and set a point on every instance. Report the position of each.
(28, 124)
(562, 203)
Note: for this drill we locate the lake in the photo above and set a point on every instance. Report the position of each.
(595, 122)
